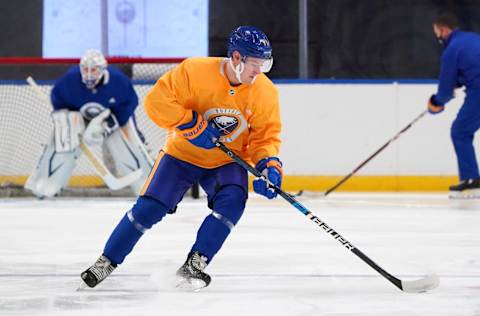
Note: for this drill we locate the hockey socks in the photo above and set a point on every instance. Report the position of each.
(145, 213)
(228, 205)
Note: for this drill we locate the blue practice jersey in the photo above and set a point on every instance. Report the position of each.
(115, 91)
(460, 65)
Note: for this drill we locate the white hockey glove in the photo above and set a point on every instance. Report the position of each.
(67, 128)
(100, 127)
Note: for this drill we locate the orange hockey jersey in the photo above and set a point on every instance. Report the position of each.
(248, 114)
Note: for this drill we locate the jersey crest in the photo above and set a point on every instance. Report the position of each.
(230, 123)
(91, 109)
(225, 124)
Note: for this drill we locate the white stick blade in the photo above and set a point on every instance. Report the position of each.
(119, 183)
(422, 285)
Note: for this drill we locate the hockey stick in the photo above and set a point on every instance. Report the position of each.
(110, 180)
(374, 154)
(421, 285)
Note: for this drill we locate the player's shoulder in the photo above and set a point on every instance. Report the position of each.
(117, 79)
(116, 73)
(201, 62)
(263, 83)
(461, 41)
(70, 77)
(72, 72)
(463, 38)
(264, 92)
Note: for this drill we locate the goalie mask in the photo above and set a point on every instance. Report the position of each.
(92, 67)
(250, 42)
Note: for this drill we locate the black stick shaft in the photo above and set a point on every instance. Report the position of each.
(290, 199)
(374, 154)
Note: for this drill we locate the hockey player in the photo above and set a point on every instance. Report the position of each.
(101, 98)
(200, 101)
(460, 66)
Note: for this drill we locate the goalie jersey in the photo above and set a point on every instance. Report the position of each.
(114, 91)
(247, 115)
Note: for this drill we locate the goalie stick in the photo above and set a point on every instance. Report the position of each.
(111, 181)
(417, 286)
(114, 183)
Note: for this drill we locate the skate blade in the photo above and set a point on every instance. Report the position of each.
(465, 195)
(192, 285)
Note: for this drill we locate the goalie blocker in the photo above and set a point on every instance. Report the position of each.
(57, 161)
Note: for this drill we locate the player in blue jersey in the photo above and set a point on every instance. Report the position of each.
(93, 105)
(460, 66)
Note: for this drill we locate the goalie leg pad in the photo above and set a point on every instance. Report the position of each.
(128, 154)
(67, 128)
(145, 213)
(52, 171)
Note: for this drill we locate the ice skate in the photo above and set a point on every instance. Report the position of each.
(98, 272)
(190, 276)
(466, 189)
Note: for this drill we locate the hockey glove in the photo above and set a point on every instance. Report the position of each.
(100, 127)
(199, 132)
(271, 168)
(433, 108)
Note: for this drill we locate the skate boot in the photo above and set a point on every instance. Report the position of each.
(469, 188)
(100, 270)
(190, 275)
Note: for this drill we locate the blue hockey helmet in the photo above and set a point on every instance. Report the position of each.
(249, 41)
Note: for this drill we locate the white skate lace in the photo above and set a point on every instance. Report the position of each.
(199, 262)
(102, 268)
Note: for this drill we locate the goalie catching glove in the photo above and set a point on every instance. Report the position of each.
(199, 132)
(271, 168)
(100, 127)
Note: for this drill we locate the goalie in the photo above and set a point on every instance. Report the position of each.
(93, 105)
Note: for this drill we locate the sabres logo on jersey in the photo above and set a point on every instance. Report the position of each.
(225, 124)
(230, 122)
(91, 109)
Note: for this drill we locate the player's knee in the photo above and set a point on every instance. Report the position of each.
(146, 212)
(228, 204)
(461, 131)
(457, 134)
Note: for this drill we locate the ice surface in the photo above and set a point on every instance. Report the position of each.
(276, 262)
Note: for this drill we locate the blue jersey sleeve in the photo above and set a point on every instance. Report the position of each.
(61, 95)
(128, 106)
(448, 76)
(56, 98)
(121, 86)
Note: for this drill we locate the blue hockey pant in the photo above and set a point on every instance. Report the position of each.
(462, 133)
